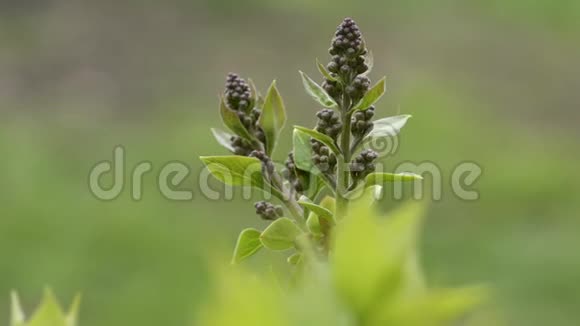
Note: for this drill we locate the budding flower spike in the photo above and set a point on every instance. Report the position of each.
(327, 159)
(321, 205)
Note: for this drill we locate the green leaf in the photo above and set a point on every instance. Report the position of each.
(257, 99)
(294, 259)
(439, 307)
(316, 184)
(326, 140)
(16, 313)
(370, 254)
(316, 209)
(329, 203)
(49, 313)
(324, 72)
(314, 225)
(317, 92)
(302, 151)
(223, 138)
(372, 96)
(365, 196)
(321, 218)
(232, 121)
(239, 171)
(72, 315)
(248, 244)
(280, 235)
(382, 178)
(273, 117)
(388, 127)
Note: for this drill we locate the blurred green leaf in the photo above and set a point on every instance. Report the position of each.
(388, 127)
(223, 138)
(324, 72)
(280, 235)
(302, 151)
(232, 121)
(258, 100)
(248, 244)
(241, 298)
(437, 308)
(317, 209)
(72, 315)
(369, 254)
(16, 315)
(295, 259)
(365, 196)
(49, 313)
(326, 140)
(379, 178)
(328, 202)
(313, 224)
(372, 96)
(317, 92)
(239, 171)
(273, 117)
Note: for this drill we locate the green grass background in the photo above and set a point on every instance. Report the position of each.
(492, 82)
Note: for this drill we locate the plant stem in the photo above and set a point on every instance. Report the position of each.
(289, 199)
(343, 174)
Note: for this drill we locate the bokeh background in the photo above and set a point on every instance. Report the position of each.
(493, 82)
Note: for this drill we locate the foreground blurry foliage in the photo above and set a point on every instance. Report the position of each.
(48, 313)
(372, 278)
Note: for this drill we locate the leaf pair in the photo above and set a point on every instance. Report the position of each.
(322, 97)
(49, 313)
(280, 235)
(321, 217)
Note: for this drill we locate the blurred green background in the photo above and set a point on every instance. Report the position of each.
(493, 82)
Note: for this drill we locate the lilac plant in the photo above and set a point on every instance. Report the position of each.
(328, 164)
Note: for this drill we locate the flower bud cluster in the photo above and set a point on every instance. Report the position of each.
(265, 159)
(333, 89)
(238, 97)
(361, 122)
(322, 157)
(241, 146)
(358, 88)
(292, 173)
(328, 123)
(268, 211)
(347, 51)
(363, 165)
(237, 94)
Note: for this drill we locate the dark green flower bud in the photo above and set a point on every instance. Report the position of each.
(322, 157)
(241, 146)
(328, 123)
(237, 93)
(361, 123)
(363, 164)
(268, 211)
(332, 67)
(331, 88)
(267, 163)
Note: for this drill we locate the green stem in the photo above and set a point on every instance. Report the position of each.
(289, 199)
(343, 174)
